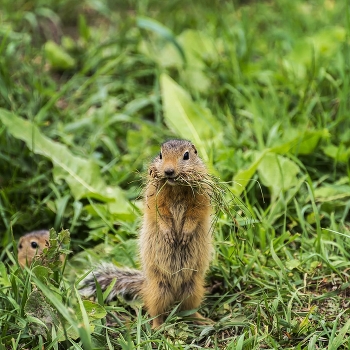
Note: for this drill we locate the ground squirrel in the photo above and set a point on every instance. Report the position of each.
(175, 240)
(32, 244)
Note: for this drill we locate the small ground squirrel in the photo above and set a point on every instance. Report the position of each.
(175, 240)
(32, 244)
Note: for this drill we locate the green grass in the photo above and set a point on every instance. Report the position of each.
(88, 91)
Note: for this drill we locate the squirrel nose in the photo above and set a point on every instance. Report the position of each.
(169, 172)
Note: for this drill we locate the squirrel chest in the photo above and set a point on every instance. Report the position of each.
(176, 237)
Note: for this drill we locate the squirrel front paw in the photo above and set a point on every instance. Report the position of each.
(186, 237)
(168, 237)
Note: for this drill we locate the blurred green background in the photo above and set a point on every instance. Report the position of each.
(90, 89)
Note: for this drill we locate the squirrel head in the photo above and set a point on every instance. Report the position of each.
(177, 162)
(32, 244)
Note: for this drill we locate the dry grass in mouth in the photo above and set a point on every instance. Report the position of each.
(223, 200)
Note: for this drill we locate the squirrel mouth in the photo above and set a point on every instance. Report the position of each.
(171, 180)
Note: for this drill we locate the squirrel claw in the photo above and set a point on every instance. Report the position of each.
(168, 238)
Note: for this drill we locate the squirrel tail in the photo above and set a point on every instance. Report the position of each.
(128, 282)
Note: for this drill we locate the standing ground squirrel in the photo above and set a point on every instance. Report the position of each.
(175, 240)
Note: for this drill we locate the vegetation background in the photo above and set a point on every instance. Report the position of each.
(88, 91)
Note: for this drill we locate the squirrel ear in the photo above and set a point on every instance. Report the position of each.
(194, 148)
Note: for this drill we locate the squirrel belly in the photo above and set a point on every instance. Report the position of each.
(128, 282)
(175, 241)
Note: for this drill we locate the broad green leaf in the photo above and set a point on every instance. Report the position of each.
(42, 273)
(187, 119)
(112, 210)
(68, 43)
(307, 142)
(82, 175)
(86, 312)
(335, 191)
(162, 31)
(303, 142)
(329, 192)
(292, 264)
(164, 54)
(63, 236)
(45, 295)
(94, 310)
(198, 47)
(299, 143)
(57, 57)
(338, 153)
(37, 306)
(278, 173)
(71, 170)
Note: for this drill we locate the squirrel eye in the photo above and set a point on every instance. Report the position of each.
(34, 245)
(20, 246)
(186, 156)
(160, 155)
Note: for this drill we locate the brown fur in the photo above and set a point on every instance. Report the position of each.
(175, 240)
